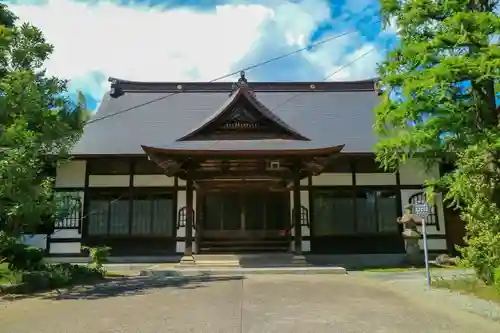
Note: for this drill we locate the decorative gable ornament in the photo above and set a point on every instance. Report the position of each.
(243, 113)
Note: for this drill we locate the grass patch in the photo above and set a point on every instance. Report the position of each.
(433, 267)
(469, 285)
(119, 274)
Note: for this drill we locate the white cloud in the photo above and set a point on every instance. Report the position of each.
(153, 44)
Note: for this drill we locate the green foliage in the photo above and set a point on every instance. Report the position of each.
(99, 255)
(438, 101)
(56, 276)
(38, 126)
(497, 279)
(21, 257)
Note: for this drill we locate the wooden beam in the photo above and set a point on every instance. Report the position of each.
(297, 206)
(188, 250)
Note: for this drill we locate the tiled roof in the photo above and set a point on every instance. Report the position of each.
(329, 114)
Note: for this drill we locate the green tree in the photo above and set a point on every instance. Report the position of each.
(439, 87)
(38, 126)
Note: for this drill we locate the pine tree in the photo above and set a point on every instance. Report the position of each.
(38, 126)
(439, 90)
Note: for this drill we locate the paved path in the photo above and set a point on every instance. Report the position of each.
(259, 303)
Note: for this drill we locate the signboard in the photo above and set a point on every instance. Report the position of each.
(423, 210)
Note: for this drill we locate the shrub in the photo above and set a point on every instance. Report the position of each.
(99, 255)
(35, 281)
(497, 279)
(21, 257)
(56, 276)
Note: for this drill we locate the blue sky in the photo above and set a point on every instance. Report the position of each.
(187, 40)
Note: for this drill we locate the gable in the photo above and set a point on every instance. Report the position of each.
(243, 117)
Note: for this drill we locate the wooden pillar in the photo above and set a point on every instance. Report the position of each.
(188, 251)
(297, 207)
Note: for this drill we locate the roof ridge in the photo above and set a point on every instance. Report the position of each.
(193, 86)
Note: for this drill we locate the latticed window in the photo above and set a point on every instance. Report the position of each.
(304, 216)
(182, 218)
(150, 216)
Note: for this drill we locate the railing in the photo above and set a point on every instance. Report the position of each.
(182, 218)
(73, 211)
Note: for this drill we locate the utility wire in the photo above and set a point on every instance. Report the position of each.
(234, 73)
(324, 41)
(338, 70)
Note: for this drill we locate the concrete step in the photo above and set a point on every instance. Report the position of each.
(204, 272)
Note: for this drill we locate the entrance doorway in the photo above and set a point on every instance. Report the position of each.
(239, 221)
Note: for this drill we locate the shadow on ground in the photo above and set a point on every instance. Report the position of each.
(126, 286)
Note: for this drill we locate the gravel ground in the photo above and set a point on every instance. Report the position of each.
(414, 283)
(255, 303)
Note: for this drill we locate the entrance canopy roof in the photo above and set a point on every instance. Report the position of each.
(272, 147)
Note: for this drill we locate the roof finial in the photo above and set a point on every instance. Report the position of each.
(242, 83)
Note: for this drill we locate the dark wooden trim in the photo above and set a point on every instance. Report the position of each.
(81, 254)
(126, 161)
(188, 251)
(402, 187)
(67, 240)
(358, 244)
(131, 192)
(310, 199)
(175, 207)
(436, 236)
(435, 251)
(297, 214)
(352, 187)
(399, 199)
(69, 189)
(86, 203)
(153, 151)
(225, 87)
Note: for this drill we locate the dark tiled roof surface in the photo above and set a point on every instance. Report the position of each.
(327, 117)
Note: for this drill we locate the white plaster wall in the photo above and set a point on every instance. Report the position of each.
(434, 244)
(109, 180)
(66, 248)
(413, 172)
(71, 174)
(66, 233)
(330, 179)
(375, 179)
(35, 240)
(153, 180)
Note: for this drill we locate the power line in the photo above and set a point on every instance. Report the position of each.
(231, 74)
(338, 70)
(324, 41)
